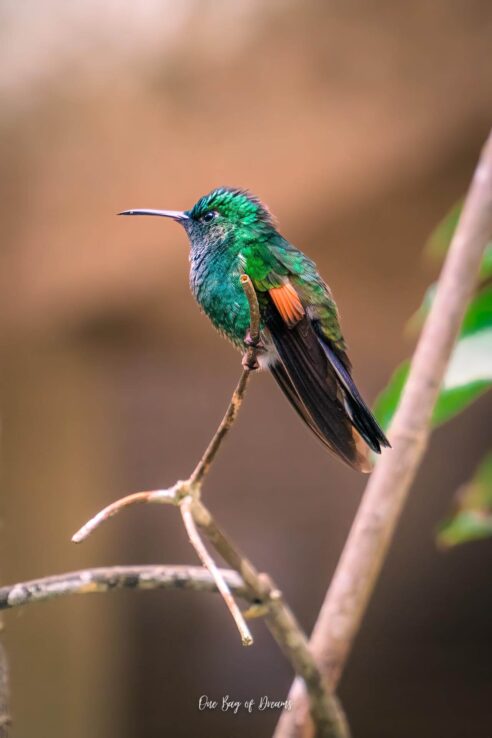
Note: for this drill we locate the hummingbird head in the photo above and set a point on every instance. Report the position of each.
(217, 216)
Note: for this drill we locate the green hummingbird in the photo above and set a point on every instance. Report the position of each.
(231, 232)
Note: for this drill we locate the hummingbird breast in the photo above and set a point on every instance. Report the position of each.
(215, 283)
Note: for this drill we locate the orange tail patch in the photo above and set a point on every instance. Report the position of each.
(288, 304)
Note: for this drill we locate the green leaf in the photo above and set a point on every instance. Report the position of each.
(486, 266)
(471, 516)
(468, 525)
(417, 320)
(469, 373)
(452, 399)
(440, 239)
(451, 402)
(387, 401)
(478, 314)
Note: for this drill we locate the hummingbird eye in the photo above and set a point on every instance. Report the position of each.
(207, 217)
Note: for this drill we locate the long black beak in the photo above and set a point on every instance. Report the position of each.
(177, 215)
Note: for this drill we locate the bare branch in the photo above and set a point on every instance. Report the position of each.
(325, 710)
(156, 495)
(106, 579)
(387, 490)
(257, 588)
(227, 421)
(254, 309)
(209, 563)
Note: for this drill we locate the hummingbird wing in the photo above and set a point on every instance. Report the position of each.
(312, 369)
(312, 387)
(280, 373)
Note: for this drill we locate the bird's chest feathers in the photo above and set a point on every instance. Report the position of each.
(215, 283)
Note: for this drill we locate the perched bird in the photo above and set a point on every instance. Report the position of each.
(231, 232)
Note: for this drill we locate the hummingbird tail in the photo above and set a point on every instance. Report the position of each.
(361, 416)
(323, 394)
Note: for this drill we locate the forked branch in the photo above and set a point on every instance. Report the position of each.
(259, 589)
(107, 579)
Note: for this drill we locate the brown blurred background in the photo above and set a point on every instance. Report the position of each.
(360, 125)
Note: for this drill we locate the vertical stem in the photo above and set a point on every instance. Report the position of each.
(389, 485)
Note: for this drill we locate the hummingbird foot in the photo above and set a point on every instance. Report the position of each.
(250, 343)
(249, 362)
(254, 348)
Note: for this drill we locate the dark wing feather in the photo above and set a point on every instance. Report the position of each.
(279, 372)
(361, 416)
(315, 382)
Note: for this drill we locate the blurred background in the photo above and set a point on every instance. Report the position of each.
(360, 126)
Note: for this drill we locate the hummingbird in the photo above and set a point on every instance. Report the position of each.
(231, 233)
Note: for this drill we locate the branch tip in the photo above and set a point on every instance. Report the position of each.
(186, 509)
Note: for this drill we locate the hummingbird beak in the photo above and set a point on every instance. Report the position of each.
(177, 215)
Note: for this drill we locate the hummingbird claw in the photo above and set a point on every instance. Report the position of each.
(249, 358)
(248, 341)
(249, 362)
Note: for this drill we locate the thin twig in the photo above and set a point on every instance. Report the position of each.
(257, 588)
(156, 495)
(254, 310)
(387, 490)
(227, 421)
(194, 578)
(209, 563)
(106, 579)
